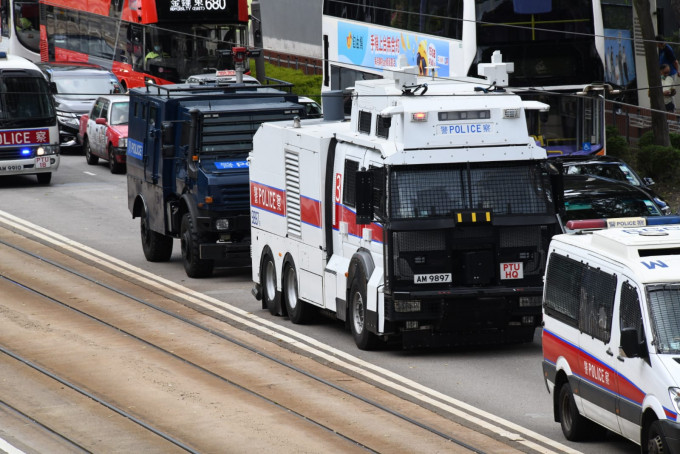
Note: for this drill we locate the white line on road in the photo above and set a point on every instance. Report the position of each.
(488, 421)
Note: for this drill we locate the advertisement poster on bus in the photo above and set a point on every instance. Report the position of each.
(379, 48)
(619, 66)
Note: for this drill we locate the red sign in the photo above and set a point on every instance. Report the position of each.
(268, 198)
(24, 137)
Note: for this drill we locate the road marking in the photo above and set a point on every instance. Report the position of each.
(89, 173)
(8, 448)
(491, 422)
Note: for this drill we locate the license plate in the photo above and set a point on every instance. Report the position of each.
(432, 278)
(512, 270)
(12, 168)
(42, 161)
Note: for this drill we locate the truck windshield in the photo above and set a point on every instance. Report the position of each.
(24, 98)
(438, 191)
(664, 302)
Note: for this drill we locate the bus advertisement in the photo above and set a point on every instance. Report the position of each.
(558, 48)
(144, 40)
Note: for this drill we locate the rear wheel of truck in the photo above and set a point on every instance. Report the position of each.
(44, 178)
(268, 281)
(156, 246)
(298, 311)
(191, 243)
(364, 339)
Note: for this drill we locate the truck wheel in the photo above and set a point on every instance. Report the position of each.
(656, 442)
(114, 167)
(191, 243)
(89, 157)
(156, 246)
(574, 426)
(44, 178)
(298, 311)
(364, 339)
(268, 280)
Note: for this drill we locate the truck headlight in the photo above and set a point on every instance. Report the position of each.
(44, 150)
(222, 224)
(675, 398)
(68, 118)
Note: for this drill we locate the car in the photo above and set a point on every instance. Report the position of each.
(75, 87)
(615, 169)
(592, 197)
(225, 77)
(312, 108)
(104, 131)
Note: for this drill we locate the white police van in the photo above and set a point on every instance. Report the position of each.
(611, 335)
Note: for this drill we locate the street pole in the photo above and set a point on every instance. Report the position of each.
(256, 20)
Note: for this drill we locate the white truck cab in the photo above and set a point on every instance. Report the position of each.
(611, 330)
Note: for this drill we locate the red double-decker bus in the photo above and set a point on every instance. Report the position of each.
(163, 41)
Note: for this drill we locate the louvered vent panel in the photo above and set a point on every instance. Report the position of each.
(294, 223)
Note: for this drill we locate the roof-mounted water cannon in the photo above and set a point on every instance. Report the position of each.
(239, 55)
(496, 72)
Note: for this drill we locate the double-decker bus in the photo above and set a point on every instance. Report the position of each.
(162, 41)
(558, 47)
(19, 28)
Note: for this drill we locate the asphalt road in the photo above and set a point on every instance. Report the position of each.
(88, 204)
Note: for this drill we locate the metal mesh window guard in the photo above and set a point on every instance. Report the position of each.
(563, 288)
(664, 303)
(505, 189)
(597, 303)
(630, 314)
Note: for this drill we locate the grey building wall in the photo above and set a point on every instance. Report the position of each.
(292, 27)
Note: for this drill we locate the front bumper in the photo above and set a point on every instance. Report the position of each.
(28, 166)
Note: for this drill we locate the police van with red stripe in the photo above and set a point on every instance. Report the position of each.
(611, 334)
(425, 218)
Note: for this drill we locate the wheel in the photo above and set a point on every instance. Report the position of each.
(191, 243)
(364, 339)
(574, 426)
(268, 281)
(44, 178)
(298, 311)
(114, 166)
(656, 442)
(156, 246)
(89, 157)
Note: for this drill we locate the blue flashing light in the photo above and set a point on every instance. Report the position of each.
(3, 55)
(663, 220)
(26, 152)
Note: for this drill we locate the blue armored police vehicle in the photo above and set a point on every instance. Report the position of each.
(187, 173)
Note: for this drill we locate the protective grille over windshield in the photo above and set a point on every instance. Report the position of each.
(664, 301)
(509, 188)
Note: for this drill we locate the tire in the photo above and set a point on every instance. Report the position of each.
(191, 243)
(156, 246)
(268, 281)
(44, 178)
(364, 339)
(574, 426)
(656, 442)
(89, 157)
(114, 166)
(298, 311)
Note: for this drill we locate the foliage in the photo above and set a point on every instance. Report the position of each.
(303, 84)
(617, 146)
(658, 162)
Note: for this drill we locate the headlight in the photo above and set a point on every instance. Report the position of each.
(222, 224)
(675, 398)
(122, 143)
(68, 118)
(46, 150)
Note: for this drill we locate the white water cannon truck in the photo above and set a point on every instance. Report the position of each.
(425, 218)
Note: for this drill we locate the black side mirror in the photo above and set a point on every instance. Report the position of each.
(364, 196)
(53, 88)
(167, 139)
(630, 345)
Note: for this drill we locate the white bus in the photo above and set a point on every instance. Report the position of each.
(557, 47)
(20, 28)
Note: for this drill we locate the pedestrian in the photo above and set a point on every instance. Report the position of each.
(668, 87)
(667, 56)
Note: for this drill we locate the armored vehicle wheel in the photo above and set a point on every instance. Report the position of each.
(44, 178)
(364, 339)
(656, 442)
(156, 246)
(574, 426)
(298, 311)
(268, 281)
(191, 243)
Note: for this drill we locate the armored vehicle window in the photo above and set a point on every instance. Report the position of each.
(664, 305)
(348, 191)
(597, 303)
(364, 122)
(629, 308)
(563, 289)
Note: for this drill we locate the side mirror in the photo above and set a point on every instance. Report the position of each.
(100, 121)
(364, 196)
(630, 345)
(167, 139)
(53, 88)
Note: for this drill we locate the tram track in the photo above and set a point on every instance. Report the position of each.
(439, 434)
